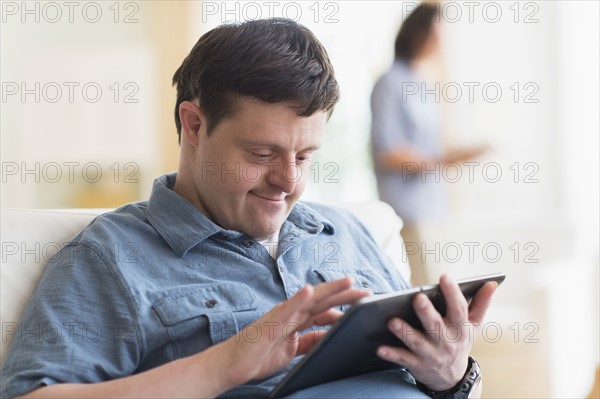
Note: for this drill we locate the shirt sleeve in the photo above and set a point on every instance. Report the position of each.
(77, 328)
(389, 125)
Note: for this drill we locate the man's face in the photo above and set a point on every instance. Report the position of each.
(254, 166)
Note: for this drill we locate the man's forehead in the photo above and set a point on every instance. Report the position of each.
(281, 114)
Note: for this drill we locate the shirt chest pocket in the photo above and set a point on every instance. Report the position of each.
(203, 315)
(369, 280)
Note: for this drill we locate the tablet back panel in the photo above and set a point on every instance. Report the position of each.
(349, 348)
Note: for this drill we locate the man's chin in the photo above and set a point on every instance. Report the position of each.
(265, 222)
(265, 231)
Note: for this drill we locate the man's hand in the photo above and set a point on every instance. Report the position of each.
(221, 367)
(279, 339)
(438, 356)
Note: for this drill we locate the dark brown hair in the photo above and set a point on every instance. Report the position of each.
(415, 31)
(273, 60)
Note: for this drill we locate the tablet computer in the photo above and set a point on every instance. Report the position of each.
(349, 348)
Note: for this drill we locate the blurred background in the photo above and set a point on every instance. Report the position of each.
(87, 121)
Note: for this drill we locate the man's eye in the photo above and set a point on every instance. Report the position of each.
(262, 155)
(302, 157)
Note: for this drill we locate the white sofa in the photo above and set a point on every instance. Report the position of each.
(31, 237)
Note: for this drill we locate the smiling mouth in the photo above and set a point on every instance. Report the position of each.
(269, 199)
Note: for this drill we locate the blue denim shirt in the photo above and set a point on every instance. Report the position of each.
(155, 281)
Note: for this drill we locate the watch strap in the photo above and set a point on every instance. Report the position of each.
(462, 389)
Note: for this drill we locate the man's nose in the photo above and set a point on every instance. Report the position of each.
(285, 176)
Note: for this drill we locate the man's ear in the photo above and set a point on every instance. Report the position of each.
(192, 120)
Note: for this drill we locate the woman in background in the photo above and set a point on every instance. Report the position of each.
(406, 134)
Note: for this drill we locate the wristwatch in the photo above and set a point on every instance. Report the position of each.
(463, 389)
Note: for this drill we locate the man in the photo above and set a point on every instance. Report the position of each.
(223, 241)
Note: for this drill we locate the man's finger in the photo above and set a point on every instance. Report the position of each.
(416, 341)
(308, 340)
(400, 356)
(481, 302)
(328, 317)
(323, 319)
(325, 290)
(288, 311)
(457, 309)
(430, 318)
(345, 297)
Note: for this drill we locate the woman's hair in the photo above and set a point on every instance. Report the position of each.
(415, 30)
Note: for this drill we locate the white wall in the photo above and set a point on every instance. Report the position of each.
(79, 93)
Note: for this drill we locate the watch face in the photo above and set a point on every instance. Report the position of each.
(473, 377)
(474, 386)
(468, 385)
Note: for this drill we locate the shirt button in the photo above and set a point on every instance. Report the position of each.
(280, 269)
(364, 284)
(211, 303)
(248, 243)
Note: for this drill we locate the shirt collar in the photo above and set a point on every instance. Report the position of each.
(178, 222)
(308, 219)
(183, 226)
